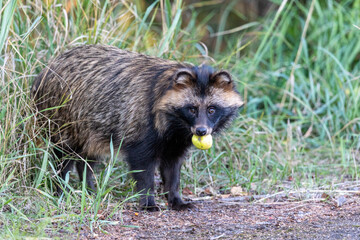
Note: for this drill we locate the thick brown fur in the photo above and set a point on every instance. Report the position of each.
(95, 94)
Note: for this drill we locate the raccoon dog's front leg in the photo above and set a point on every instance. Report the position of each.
(170, 174)
(144, 163)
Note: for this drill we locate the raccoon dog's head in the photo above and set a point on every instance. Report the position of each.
(201, 101)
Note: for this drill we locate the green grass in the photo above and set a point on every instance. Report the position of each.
(298, 70)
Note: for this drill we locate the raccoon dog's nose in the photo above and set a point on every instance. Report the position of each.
(201, 131)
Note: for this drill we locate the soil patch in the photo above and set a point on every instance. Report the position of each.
(235, 218)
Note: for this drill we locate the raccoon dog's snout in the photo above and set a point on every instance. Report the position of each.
(201, 131)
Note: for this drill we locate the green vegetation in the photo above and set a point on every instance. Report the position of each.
(298, 69)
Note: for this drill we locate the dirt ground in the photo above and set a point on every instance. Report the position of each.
(243, 218)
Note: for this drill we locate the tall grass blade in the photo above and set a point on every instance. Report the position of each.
(164, 46)
(42, 170)
(5, 19)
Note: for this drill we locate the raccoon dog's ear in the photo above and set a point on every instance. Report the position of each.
(184, 77)
(221, 79)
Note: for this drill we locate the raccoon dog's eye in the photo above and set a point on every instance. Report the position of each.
(211, 110)
(192, 110)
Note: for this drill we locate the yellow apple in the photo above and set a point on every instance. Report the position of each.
(202, 142)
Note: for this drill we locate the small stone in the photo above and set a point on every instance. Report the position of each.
(237, 191)
(340, 201)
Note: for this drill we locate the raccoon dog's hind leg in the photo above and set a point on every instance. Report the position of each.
(63, 167)
(80, 166)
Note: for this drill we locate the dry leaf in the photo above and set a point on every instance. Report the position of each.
(187, 191)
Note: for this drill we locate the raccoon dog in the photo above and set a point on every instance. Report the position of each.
(96, 94)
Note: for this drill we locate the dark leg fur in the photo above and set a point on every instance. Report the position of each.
(170, 174)
(171, 159)
(64, 167)
(142, 158)
(80, 166)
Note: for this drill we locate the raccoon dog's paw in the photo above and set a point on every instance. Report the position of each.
(147, 203)
(150, 208)
(181, 206)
